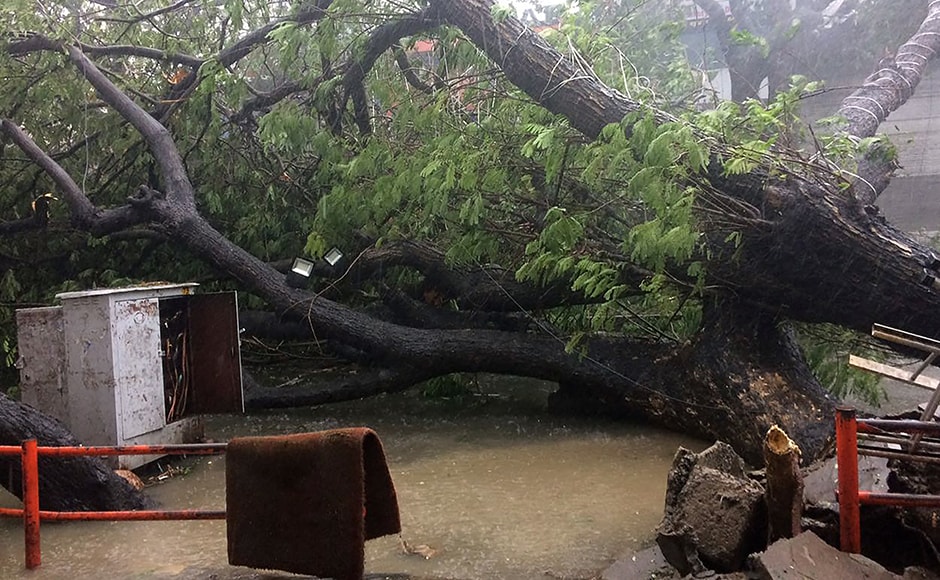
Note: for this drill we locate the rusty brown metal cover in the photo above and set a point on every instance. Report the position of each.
(214, 352)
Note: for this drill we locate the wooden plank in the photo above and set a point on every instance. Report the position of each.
(905, 338)
(893, 372)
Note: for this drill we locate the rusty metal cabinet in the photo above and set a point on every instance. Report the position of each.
(132, 365)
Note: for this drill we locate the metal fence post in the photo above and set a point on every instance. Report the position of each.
(850, 533)
(31, 503)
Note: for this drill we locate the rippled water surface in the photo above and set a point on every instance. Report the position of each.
(498, 487)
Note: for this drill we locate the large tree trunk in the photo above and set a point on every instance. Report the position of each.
(741, 375)
(65, 483)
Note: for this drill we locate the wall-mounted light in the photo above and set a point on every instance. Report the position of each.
(333, 256)
(299, 273)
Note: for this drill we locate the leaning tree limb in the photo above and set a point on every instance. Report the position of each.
(84, 214)
(381, 40)
(487, 287)
(884, 92)
(811, 247)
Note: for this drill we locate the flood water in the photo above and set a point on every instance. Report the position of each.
(497, 486)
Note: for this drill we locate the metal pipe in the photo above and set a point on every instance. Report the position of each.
(142, 515)
(188, 449)
(898, 425)
(927, 445)
(181, 449)
(850, 534)
(31, 504)
(32, 515)
(899, 499)
(118, 516)
(900, 455)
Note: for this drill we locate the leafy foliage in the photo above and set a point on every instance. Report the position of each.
(467, 162)
(827, 348)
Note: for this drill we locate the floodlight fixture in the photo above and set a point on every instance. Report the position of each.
(299, 273)
(333, 256)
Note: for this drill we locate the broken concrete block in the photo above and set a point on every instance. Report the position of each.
(715, 516)
(807, 556)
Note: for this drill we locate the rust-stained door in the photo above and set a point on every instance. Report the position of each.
(214, 354)
(138, 374)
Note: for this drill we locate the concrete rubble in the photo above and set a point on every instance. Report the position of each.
(715, 515)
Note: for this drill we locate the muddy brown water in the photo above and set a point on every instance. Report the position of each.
(498, 487)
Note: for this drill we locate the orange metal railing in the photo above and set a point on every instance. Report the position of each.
(29, 453)
(878, 431)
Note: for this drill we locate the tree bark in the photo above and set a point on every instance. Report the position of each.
(742, 374)
(65, 483)
(784, 488)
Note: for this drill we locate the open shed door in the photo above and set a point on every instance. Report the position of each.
(214, 354)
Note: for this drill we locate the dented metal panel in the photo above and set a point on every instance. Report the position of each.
(138, 374)
(89, 373)
(41, 344)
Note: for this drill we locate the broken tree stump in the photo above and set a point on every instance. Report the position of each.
(783, 491)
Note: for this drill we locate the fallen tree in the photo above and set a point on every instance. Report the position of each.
(65, 483)
(782, 240)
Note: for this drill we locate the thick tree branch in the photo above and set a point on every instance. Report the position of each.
(241, 48)
(226, 57)
(143, 51)
(28, 43)
(885, 91)
(307, 15)
(157, 136)
(558, 82)
(717, 18)
(84, 213)
(381, 40)
(354, 72)
(798, 214)
(895, 80)
(37, 42)
(350, 386)
(270, 98)
(484, 288)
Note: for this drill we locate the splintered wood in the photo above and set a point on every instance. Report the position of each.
(784, 490)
